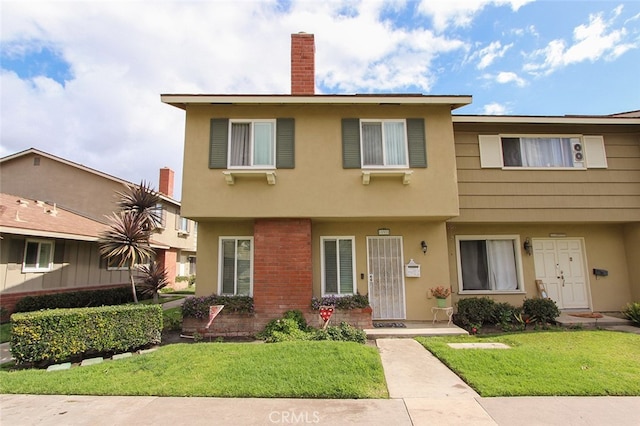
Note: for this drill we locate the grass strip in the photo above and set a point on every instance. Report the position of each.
(284, 370)
(568, 363)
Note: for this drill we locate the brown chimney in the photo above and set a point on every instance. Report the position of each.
(166, 182)
(303, 64)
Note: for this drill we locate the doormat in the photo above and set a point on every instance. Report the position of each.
(587, 315)
(389, 325)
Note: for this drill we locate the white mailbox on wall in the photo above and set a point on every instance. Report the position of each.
(412, 269)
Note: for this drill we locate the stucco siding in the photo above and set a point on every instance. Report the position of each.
(318, 186)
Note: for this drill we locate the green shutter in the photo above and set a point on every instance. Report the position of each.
(219, 140)
(417, 142)
(351, 143)
(285, 143)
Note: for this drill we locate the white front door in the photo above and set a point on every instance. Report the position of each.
(559, 263)
(386, 278)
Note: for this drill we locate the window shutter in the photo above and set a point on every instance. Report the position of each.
(351, 143)
(490, 151)
(596, 157)
(416, 142)
(285, 143)
(219, 139)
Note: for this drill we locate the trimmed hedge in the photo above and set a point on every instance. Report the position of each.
(60, 334)
(77, 299)
(198, 307)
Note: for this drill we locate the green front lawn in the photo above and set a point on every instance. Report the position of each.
(576, 363)
(279, 370)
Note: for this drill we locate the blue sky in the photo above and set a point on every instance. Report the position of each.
(82, 79)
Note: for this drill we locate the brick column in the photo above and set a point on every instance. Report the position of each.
(282, 269)
(168, 259)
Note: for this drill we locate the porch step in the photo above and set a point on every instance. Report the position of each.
(566, 319)
(423, 330)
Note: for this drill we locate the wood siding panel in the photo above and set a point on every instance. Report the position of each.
(496, 195)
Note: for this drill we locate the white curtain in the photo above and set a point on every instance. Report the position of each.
(502, 265)
(395, 145)
(240, 144)
(546, 152)
(263, 144)
(372, 153)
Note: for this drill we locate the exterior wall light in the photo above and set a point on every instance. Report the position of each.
(528, 247)
(423, 244)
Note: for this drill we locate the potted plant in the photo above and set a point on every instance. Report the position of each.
(441, 293)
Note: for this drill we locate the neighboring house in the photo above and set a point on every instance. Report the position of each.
(47, 249)
(37, 175)
(307, 195)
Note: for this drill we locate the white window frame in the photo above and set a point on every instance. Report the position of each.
(161, 214)
(184, 225)
(353, 265)
(252, 122)
(37, 268)
(221, 239)
(384, 152)
(518, 263)
(575, 165)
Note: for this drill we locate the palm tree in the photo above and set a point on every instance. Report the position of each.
(141, 200)
(127, 241)
(152, 279)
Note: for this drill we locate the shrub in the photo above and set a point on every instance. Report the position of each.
(288, 324)
(198, 307)
(356, 301)
(504, 315)
(475, 310)
(75, 299)
(632, 312)
(345, 332)
(543, 310)
(58, 334)
(293, 327)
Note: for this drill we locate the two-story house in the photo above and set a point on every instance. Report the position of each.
(39, 177)
(307, 195)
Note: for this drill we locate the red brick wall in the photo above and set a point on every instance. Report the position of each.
(282, 269)
(303, 68)
(233, 325)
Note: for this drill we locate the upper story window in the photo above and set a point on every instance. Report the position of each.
(183, 224)
(384, 143)
(393, 143)
(542, 151)
(38, 256)
(252, 143)
(160, 214)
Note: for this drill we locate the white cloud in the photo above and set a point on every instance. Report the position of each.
(494, 108)
(594, 41)
(489, 54)
(505, 77)
(460, 13)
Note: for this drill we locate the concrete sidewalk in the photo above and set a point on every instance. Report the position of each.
(422, 392)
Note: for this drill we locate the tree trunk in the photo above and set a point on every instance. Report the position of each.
(155, 297)
(133, 286)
